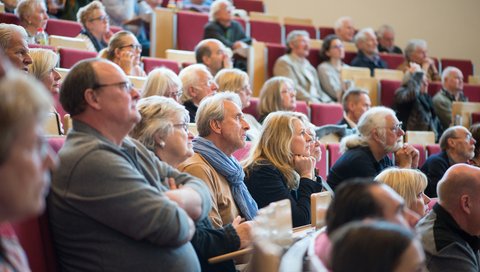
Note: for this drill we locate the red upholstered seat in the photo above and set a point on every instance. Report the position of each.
(333, 153)
(472, 92)
(325, 31)
(249, 5)
(322, 165)
(422, 154)
(466, 66)
(252, 109)
(56, 142)
(270, 32)
(387, 91)
(433, 149)
(115, 29)
(314, 57)
(475, 117)
(392, 60)
(312, 32)
(242, 153)
(349, 56)
(274, 51)
(190, 29)
(69, 57)
(303, 108)
(151, 63)
(63, 28)
(9, 18)
(324, 114)
(434, 87)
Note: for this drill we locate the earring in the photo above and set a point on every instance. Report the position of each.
(161, 143)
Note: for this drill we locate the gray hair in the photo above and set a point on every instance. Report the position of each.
(26, 7)
(43, 61)
(157, 116)
(190, 77)
(212, 108)
(362, 34)
(159, 81)
(293, 35)
(449, 133)
(384, 28)
(352, 94)
(412, 45)
(374, 118)
(216, 6)
(446, 72)
(22, 99)
(339, 22)
(83, 14)
(6, 33)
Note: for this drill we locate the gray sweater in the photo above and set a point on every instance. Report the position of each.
(108, 210)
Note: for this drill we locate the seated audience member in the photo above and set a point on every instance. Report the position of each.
(95, 26)
(43, 67)
(409, 184)
(362, 199)
(277, 94)
(475, 130)
(122, 203)
(296, 66)
(237, 81)
(458, 146)
(10, 5)
(222, 27)
(13, 41)
(25, 160)
(315, 150)
(124, 50)
(197, 5)
(355, 103)
(452, 90)
(416, 51)
(449, 233)
(163, 82)
(365, 153)
(213, 54)
(66, 10)
(376, 246)
(344, 29)
(163, 130)
(221, 131)
(197, 84)
(283, 168)
(33, 16)
(386, 40)
(413, 104)
(367, 56)
(332, 54)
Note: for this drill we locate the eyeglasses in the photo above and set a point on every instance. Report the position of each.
(100, 18)
(397, 127)
(289, 91)
(126, 86)
(176, 94)
(338, 46)
(133, 46)
(468, 137)
(182, 125)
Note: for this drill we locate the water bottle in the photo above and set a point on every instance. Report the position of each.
(41, 37)
(179, 5)
(458, 120)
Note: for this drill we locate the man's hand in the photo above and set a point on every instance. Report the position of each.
(407, 157)
(244, 231)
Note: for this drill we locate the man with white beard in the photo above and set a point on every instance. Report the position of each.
(365, 153)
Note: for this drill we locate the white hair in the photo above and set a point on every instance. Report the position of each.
(339, 22)
(190, 77)
(212, 108)
(446, 72)
(362, 34)
(216, 6)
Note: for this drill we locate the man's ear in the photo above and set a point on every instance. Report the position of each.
(215, 126)
(192, 91)
(465, 204)
(376, 135)
(91, 98)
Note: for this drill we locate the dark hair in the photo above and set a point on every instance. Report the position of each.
(353, 201)
(475, 130)
(327, 43)
(373, 246)
(80, 78)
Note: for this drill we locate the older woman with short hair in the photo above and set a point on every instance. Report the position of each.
(124, 50)
(280, 166)
(277, 93)
(33, 16)
(238, 81)
(95, 26)
(163, 82)
(410, 184)
(26, 160)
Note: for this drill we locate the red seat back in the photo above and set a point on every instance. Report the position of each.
(9, 18)
(303, 108)
(475, 117)
(115, 29)
(312, 32)
(324, 114)
(190, 29)
(249, 5)
(422, 154)
(434, 87)
(243, 152)
(472, 92)
(56, 142)
(69, 57)
(274, 51)
(387, 91)
(333, 153)
(63, 28)
(252, 109)
(466, 66)
(392, 60)
(270, 32)
(325, 31)
(151, 63)
(322, 165)
(314, 57)
(349, 56)
(433, 149)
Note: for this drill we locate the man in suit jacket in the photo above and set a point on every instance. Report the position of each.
(296, 66)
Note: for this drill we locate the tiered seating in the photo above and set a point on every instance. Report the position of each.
(274, 51)
(151, 63)
(63, 28)
(270, 32)
(466, 66)
(309, 28)
(249, 5)
(69, 57)
(324, 114)
(190, 29)
(392, 60)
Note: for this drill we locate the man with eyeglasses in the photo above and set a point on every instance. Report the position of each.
(458, 146)
(95, 26)
(365, 154)
(110, 207)
(13, 41)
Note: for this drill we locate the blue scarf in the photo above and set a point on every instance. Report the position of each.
(232, 171)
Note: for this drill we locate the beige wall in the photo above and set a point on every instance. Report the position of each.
(451, 28)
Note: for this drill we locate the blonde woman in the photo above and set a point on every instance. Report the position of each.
(163, 82)
(95, 26)
(237, 81)
(283, 168)
(410, 184)
(277, 94)
(32, 15)
(124, 50)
